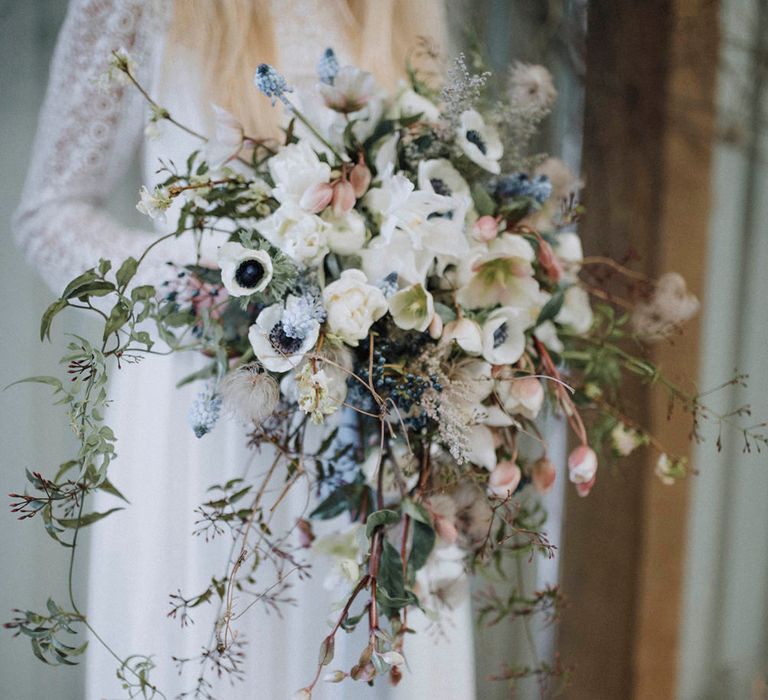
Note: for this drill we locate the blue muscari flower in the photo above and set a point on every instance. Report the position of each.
(271, 83)
(520, 185)
(327, 67)
(299, 314)
(204, 411)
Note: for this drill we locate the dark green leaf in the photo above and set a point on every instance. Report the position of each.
(120, 313)
(50, 312)
(87, 277)
(422, 543)
(380, 517)
(551, 308)
(126, 272)
(483, 201)
(85, 520)
(345, 498)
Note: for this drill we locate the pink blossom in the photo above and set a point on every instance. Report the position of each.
(543, 475)
(360, 178)
(504, 479)
(316, 198)
(485, 229)
(582, 465)
(343, 198)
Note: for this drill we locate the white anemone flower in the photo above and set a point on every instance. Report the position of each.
(439, 176)
(479, 141)
(504, 335)
(412, 308)
(244, 271)
(294, 169)
(275, 350)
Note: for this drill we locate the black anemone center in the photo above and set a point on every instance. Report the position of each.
(439, 187)
(282, 342)
(500, 335)
(249, 273)
(473, 136)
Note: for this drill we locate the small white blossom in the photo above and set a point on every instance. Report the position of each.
(314, 394)
(625, 440)
(154, 204)
(294, 169)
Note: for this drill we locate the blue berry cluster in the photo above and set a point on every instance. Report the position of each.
(327, 67)
(272, 84)
(520, 185)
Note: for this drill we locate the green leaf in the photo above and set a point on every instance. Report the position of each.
(104, 267)
(326, 651)
(48, 316)
(110, 488)
(126, 272)
(85, 520)
(422, 543)
(551, 308)
(483, 201)
(345, 498)
(380, 517)
(119, 315)
(79, 281)
(145, 291)
(55, 382)
(99, 288)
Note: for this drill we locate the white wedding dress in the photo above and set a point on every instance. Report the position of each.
(86, 140)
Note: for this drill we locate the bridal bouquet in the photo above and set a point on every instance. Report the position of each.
(397, 295)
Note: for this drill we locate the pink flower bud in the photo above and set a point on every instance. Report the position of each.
(582, 465)
(504, 479)
(435, 327)
(584, 489)
(543, 475)
(549, 262)
(360, 178)
(343, 198)
(445, 529)
(316, 198)
(486, 228)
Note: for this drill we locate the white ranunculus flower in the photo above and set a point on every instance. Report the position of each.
(521, 396)
(227, 140)
(412, 308)
(345, 234)
(504, 335)
(301, 236)
(479, 141)
(272, 347)
(353, 306)
(294, 169)
(409, 103)
(440, 177)
(499, 273)
(244, 271)
(576, 312)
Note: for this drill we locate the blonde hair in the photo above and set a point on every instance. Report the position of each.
(231, 37)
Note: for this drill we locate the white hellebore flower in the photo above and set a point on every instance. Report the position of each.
(440, 177)
(276, 350)
(466, 333)
(244, 271)
(479, 141)
(295, 169)
(504, 335)
(227, 140)
(155, 203)
(353, 306)
(345, 234)
(412, 308)
(521, 396)
(301, 236)
(576, 312)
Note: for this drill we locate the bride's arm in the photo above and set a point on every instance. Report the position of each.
(86, 139)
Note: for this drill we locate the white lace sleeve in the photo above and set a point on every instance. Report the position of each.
(86, 138)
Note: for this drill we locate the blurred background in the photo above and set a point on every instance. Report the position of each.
(663, 107)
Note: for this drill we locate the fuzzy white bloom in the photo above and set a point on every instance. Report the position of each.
(154, 204)
(531, 86)
(227, 139)
(244, 271)
(504, 335)
(669, 308)
(273, 348)
(576, 312)
(294, 170)
(521, 396)
(625, 440)
(353, 305)
(409, 103)
(412, 308)
(479, 141)
(440, 177)
(301, 236)
(345, 234)
(249, 393)
(466, 333)
(314, 393)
